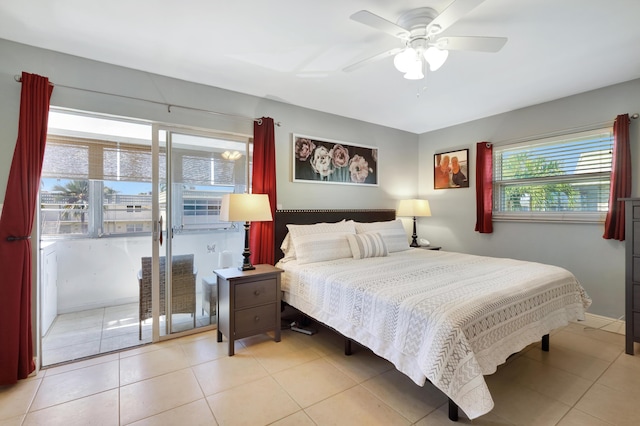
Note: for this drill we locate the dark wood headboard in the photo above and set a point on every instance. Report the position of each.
(308, 217)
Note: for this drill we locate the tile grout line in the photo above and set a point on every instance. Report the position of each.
(593, 383)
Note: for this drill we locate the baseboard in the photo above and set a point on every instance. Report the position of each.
(613, 325)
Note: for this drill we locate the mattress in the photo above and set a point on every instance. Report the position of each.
(448, 318)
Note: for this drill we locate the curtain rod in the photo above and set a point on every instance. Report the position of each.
(18, 79)
(585, 128)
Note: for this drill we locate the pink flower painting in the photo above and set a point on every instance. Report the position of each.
(318, 160)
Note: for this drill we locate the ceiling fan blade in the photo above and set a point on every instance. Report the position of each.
(379, 23)
(451, 14)
(371, 59)
(478, 44)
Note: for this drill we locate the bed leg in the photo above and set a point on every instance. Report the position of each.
(453, 411)
(545, 343)
(347, 346)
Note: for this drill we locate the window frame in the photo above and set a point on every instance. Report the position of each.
(564, 216)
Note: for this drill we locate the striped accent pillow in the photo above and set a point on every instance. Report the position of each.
(392, 233)
(367, 245)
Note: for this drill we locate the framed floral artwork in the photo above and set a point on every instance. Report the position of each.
(327, 161)
(451, 169)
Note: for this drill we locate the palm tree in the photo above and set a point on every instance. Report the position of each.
(74, 194)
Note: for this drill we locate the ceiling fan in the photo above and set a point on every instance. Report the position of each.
(420, 29)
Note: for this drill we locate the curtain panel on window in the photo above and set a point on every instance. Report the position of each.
(16, 223)
(484, 187)
(620, 179)
(264, 182)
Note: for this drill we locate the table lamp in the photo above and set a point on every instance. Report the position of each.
(415, 208)
(245, 208)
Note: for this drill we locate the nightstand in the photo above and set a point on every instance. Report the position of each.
(248, 303)
(430, 247)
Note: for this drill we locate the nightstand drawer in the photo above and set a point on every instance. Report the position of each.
(261, 317)
(255, 293)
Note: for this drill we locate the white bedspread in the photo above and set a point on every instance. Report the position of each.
(447, 317)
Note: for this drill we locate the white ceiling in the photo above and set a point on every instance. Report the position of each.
(294, 51)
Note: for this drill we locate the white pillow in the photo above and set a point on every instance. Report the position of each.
(368, 244)
(320, 247)
(392, 232)
(288, 249)
(296, 231)
(320, 228)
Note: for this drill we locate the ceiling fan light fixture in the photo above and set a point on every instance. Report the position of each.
(435, 57)
(419, 30)
(232, 156)
(404, 59)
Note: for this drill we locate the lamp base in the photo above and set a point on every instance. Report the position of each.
(414, 237)
(246, 264)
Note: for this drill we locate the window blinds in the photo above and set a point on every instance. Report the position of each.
(566, 173)
(78, 159)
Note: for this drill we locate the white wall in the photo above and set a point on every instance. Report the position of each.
(598, 263)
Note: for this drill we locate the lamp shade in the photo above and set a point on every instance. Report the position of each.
(245, 208)
(403, 60)
(415, 208)
(415, 69)
(435, 57)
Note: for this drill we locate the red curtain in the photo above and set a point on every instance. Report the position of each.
(264, 182)
(484, 187)
(16, 223)
(620, 179)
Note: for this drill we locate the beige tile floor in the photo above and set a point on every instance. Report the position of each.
(586, 379)
(91, 332)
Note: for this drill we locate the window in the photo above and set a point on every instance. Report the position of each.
(95, 184)
(96, 177)
(133, 227)
(564, 178)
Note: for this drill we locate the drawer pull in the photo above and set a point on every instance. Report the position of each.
(257, 318)
(257, 292)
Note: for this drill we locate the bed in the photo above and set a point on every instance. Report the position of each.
(443, 317)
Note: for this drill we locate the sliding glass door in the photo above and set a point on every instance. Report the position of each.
(118, 197)
(195, 168)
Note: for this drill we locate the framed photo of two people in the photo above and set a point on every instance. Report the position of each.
(451, 169)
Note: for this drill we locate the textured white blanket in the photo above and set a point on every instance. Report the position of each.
(447, 317)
